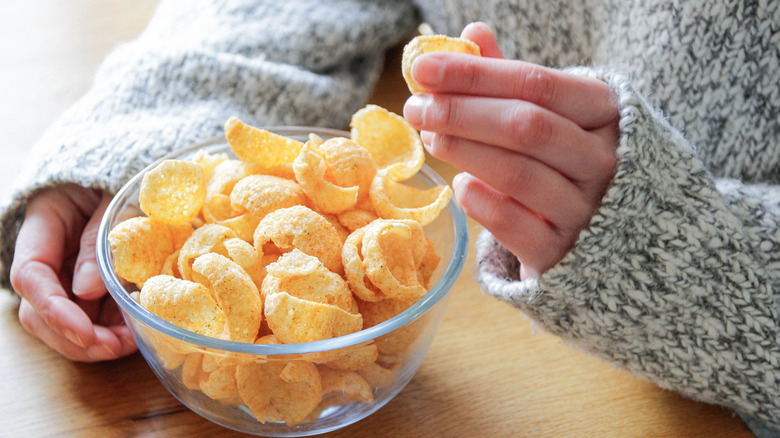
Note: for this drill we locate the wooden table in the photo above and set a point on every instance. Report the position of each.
(489, 373)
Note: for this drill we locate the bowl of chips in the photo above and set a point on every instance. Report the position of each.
(285, 281)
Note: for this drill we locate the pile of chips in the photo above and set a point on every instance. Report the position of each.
(290, 242)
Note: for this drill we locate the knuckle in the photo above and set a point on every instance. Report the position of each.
(18, 276)
(448, 114)
(537, 85)
(469, 75)
(518, 176)
(530, 126)
(442, 146)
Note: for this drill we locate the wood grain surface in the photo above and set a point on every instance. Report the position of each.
(489, 372)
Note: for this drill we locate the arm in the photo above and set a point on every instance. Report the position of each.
(673, 277)
(302, 62)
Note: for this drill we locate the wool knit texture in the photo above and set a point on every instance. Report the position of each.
(675, 277)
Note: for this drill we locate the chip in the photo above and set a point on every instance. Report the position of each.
(191, 371)
(325, 196)
(348, 164)
(294, 320)
(357, 218)
(184, 304)
(305, 277)
(220, 384)
(394, 200)
(208, 161)
(262, 194)
(303, 228)
(432, 43)
(378, 376)
(390, 139)
(279, 390)
(389, 259)
(347, 383)
(353, 359)
(236, 294)
(173, 192)
(206, 239)
(354, 271)
(140, 246)
(255, 145)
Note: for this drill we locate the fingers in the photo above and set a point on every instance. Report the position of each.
(516, 126)
(87, 283)
(40, 252)
(481, 34)
(111, 342)
(536, 186)
(588, 102)
(532, 240)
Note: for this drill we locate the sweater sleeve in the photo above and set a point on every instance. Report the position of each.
(672, 279)
(296, 62)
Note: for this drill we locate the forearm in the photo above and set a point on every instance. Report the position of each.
(666, 281)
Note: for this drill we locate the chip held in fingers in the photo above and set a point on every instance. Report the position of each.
(432, 43)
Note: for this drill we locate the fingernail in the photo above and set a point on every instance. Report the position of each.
(427, 138)
(86, 279)
(428, 70)
(414, 109)
(73, 337)
(100, 352)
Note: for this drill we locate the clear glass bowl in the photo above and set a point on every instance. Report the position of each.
(402, 340)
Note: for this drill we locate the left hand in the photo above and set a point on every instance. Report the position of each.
(537, 145)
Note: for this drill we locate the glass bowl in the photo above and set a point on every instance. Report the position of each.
(402, 341)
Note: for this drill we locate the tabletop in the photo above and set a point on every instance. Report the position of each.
(489, 373)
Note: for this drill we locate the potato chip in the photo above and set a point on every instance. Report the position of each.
(305, 277)
(388, 259)
(302, 228)
(354, 359)
(255, 145)
(170, 266)
(357, 218)
(348, 383)
(236, 294)
(262, 194)
(221, 383)
(294, 320)
(279, 391)
(243, 225)
(140, 246)
(354, 271)
(380, 377)
(191, 371)
(206, 239)
(348, 164)
(390, 139)
(170, 351)
(208, 161)
(398, 340)
(427, 266)
(326, 196)
(342, 231)
(432, 43)
(224, 177)
(393, 200)
(173, 192)
(184, 304)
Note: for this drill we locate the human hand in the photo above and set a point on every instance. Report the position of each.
(64, 301)
(537, 145)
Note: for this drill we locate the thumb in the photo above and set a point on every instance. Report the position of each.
(87, 283)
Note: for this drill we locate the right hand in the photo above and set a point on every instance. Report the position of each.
(64, 301)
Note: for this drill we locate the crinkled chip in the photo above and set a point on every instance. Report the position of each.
(294, 320)
(348, 164)
(140, 246)
(394, 200)
(355, 273)
(390, 139)
(236, 294)
(325, 196)
(432, 43)
(348, 383)
(305, 277)
(184, 304)
(206, 239)
(301, 227)
(279, 391)
(262, 194)
(255, 145)
(173, 192)
(389, 260)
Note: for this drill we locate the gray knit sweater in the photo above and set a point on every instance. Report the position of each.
(674, 277)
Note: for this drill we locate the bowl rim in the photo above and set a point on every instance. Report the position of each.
(139, 313)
